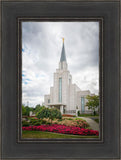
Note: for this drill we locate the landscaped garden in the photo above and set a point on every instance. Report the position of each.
(49, 123)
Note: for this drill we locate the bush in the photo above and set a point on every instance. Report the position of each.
(59, 120)
(49, 113)
(55, 113)
(96, 120)
(37, 124)
(69, 118)
(32, 121)
(48, 123)
(94, 113)
(43, 121)
(25, 123)
(78, 113)
(43, 113)
(35, 121)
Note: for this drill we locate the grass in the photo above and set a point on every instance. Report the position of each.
(80, 119)
(96, 120)
(40, 134)
(88, 115)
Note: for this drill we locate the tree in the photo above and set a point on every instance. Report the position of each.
(55, 113)
(43, 113)
(93, 102)
(28, 109)
(23, 110)
(38, 108)
(49, 113)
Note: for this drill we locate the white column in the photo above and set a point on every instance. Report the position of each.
(61, 109)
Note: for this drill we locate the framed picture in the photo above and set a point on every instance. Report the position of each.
(60, 80)
(66, 111)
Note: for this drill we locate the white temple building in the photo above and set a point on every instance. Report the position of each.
(65, 95)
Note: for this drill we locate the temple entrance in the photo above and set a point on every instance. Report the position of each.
(61, 107)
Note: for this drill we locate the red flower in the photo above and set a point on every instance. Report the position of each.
(62, 129)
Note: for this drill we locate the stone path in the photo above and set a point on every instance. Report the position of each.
(94, 125)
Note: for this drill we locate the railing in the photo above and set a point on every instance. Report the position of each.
(70, 111)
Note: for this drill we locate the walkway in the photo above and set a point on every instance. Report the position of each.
(94, 125)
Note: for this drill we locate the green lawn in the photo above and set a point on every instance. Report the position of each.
(39, 134)
(96, 120)
(88, 115)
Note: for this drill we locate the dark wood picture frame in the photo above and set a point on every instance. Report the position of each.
(11, 144)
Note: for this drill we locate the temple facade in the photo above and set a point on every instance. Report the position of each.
(65, 95)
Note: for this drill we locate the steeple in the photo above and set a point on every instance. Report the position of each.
(63, 55)
(63, 64)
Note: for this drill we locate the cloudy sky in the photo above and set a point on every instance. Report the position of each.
(41, 50)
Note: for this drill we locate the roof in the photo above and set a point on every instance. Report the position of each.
(63, 55)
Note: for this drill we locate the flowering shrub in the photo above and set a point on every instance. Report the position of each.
(62, 129)
(74, 122)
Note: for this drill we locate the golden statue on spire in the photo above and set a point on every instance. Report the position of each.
(63, 40)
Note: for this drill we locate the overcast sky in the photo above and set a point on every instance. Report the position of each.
(41, 51)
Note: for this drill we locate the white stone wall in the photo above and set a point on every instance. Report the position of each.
(83, 94)
(65, 94)
(46, 97)
(63, 66)
(51, 94)
(55, 88)
(71, 93)
(65, 75)
(72, 97)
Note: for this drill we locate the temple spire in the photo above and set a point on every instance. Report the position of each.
(63, 55)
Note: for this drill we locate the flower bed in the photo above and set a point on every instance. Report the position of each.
(62, 129)
(68, 115)
(75, 123)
